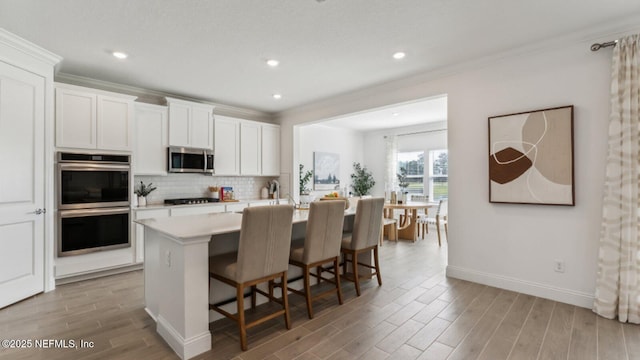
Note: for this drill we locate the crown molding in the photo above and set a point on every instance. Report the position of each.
(159, 97)
(25, 46)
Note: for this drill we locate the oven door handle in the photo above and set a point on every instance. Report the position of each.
(92, 212)
(93, 167)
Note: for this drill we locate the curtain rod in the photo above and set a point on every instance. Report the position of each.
(422, 132)
(598, 46)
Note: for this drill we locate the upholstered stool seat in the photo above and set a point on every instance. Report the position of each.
(262, 256)
(364, 238)
(321, 246)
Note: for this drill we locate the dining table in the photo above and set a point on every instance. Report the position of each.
(408, 224)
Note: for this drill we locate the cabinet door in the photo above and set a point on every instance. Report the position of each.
(115, 123)
(137, 237)
(75, 119)
(250, 148)
(179, 115)
(271, 150)
(201, 127)
(227, 146)
(151, 140)
(197, 210)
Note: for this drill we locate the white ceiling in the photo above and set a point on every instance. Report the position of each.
(216, 50)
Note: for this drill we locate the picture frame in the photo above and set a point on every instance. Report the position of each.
(531, 157)
(326, 171)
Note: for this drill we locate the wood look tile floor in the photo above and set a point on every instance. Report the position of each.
(417, 313)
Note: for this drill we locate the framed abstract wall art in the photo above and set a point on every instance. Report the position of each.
(326, 171)
(531, 157)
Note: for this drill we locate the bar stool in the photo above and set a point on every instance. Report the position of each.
(320, 246)
(262, 256)
(364, 238)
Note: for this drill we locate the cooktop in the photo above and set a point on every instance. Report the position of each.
(187, 201)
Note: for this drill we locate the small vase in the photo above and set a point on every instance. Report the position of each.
(142, 201)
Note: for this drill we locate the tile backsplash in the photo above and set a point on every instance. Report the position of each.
(175, 186)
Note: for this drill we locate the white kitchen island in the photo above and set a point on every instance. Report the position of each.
(176, 273)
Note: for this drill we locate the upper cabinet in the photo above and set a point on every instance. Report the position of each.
(244, 147)
(270, 150)
(190, 124)
(250, 148)
(151, 140)
(227, 146)
(93, 119)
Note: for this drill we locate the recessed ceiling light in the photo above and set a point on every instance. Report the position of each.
(399, 55)
(395, 114)
(273, 62)
(277, 96)
(120, 55)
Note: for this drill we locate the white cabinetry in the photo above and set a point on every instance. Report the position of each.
(190, 124)
(151, 140)
(244, 147)
(270, 150)
(197, 210)
(227, 146)
(137, 237)
(93, 119)
(250, 148)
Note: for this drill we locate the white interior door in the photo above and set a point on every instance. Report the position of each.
(21, 184)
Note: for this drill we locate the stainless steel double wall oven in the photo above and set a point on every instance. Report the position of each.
(93, 202)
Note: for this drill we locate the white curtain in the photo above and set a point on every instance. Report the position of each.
(617, 286)
(391, 147)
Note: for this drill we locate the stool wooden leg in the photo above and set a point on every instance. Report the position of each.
(336, 266)
(307, 292)
(285, 301)
(241, 320)
(377, 264)
(354, 257)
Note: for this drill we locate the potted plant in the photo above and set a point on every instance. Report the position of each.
(142, 191)
(361, 180)
(305, 177)
(403, 183)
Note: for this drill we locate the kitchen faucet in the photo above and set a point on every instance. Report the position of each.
(276, 191)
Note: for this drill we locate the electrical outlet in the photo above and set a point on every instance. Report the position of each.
(558, 266)
(167, 258)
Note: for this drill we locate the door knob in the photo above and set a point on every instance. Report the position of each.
(40, 211)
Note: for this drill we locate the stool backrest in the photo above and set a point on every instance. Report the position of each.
(265, 239)
(368, 223)
(324, 231)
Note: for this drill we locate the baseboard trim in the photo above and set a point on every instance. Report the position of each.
(567, 296)
(184, 348)
(97, 274)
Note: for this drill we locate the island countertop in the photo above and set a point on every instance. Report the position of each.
(193, 226)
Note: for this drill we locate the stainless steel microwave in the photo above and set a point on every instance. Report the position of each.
(190, 160)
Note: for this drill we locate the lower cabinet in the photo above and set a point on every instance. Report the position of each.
(197, 210)
(137, 235)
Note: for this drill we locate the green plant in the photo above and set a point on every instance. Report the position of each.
(361, 180)
(305, 176)
(402, 179)
(144, 190)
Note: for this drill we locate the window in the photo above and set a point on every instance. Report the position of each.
(438, 174)
(413, 163)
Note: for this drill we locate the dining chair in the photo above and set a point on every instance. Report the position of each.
(421, 213)
(320, 246)
(363, 239)
(439, 220)
(262, 256)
